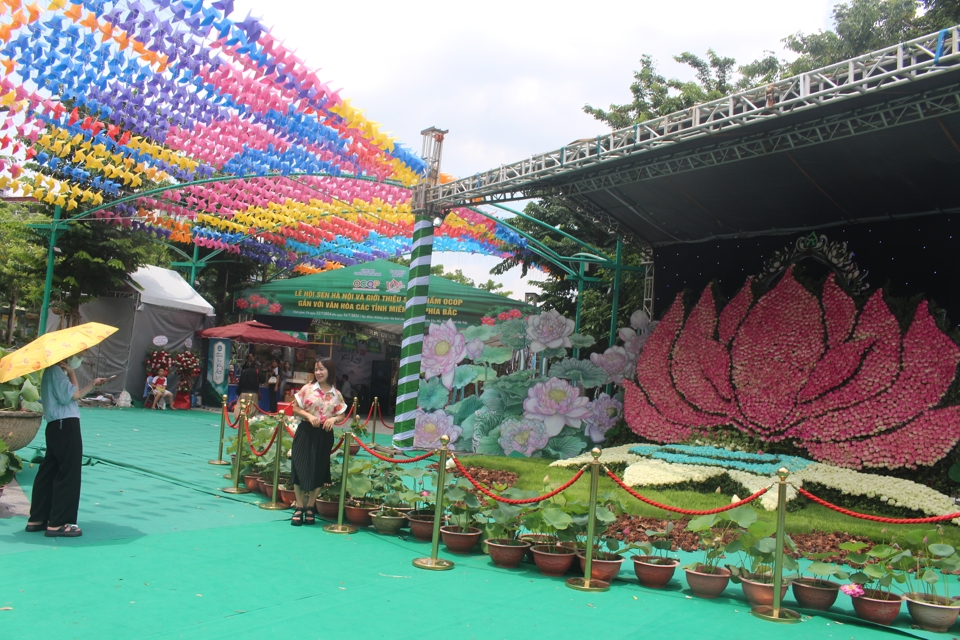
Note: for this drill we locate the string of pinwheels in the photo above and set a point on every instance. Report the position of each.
(105, 102)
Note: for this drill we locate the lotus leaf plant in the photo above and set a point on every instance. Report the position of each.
(714, 529)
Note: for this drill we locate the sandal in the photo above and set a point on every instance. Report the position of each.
(297, 518)
(66, 531)
(309, 518)
(34, 528)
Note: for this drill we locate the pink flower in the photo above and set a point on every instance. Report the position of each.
(616, 362)
(276, 307)
(557, 403)
(241, 303)
(429, 427)
(474, 348)
(842, 383)
(524, 436)
(549, 330)
(632, 342)
(443, 350)
(852, 590)
(487, 320)
(604, 412)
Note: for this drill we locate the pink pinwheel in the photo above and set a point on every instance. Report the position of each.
(443, 350)
(557, 403)
(844, 384)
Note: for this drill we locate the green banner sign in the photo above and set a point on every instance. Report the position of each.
(371, 292)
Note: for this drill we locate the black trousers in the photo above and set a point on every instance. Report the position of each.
(56, 490)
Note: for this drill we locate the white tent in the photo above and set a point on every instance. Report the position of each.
(159, 310)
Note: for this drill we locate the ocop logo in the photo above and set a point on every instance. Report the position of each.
(366, 284)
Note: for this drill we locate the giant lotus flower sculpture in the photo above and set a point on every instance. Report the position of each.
(843, 383)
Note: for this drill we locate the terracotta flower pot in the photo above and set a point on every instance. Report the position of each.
(507, 553)
(553, 560)
(288, 496)
(387, 525)
(459, 541)
(605, 566)
(705, 584)
(812, 593)
(354, 449)
(252, 481)
(761, 593)
(933, 613)
(421, 525)
(653, 572)
(877, 606)
(266, 488)
(359, 515)
(535, 539)
(328, 509)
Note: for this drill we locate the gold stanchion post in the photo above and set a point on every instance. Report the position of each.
(588, 582)
(776, 613)
(241, 430)
(223, 425)
(243, 405)
(433, 563)
(340, 527)
(373, 430)
(275, 504)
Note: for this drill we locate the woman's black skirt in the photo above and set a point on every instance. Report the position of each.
(310, 461)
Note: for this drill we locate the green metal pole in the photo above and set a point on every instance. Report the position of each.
(193, 264)
(615, 302)
(48, 283)
(576, 321)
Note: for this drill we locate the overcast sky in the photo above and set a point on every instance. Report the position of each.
(510, 79)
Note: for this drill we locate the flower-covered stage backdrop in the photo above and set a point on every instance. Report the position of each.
(845, 382)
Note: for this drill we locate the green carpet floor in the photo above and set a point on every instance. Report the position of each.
(164, 556)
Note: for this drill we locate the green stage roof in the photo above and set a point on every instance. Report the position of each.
(374, 292)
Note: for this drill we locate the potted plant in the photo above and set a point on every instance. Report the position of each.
(552, 558)
(422, 516)
(707, 579)
(925, 559)
(395, 504)
(364, 491)
(500, 534)
(460, 535)
(818, 593)
(606, 562)
(756, 548)
(20, 410)
(328, 499)
(10, 465)
(870, 589)
(653, 565)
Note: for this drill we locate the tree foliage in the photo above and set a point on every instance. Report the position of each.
(860, 26)
(560, 291)
(21, 262)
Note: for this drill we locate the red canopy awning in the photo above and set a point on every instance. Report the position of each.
(253, 332)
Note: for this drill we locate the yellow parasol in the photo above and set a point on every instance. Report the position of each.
(51, 348)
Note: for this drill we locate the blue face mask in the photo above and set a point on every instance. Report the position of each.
(75, 362)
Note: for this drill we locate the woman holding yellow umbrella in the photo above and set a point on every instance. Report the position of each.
(56, 489)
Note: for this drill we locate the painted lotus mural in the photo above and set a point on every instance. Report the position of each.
(846, 383)
(510, 386)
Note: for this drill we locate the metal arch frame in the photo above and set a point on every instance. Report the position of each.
(932, 54)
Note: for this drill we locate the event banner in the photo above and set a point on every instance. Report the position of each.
(370, 292)
(219, 358)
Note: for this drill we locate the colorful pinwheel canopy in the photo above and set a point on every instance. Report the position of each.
(179, 119)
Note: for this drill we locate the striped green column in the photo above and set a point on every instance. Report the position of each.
(414, 324)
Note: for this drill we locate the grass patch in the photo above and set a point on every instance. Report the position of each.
(530, 474)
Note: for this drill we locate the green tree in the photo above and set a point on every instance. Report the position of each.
(494, 287)
(21, 262)
(559, 292)
(655, 95)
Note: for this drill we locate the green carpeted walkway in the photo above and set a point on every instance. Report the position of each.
(164, 556)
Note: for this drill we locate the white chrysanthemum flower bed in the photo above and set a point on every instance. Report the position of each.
(612, 455)
(652, 472)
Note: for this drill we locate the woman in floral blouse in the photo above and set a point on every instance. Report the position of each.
(318, 404)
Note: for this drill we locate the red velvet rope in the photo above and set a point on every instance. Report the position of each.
(226, 417)
(246, 427)
(396, 460)
(688, 512)
(864, 516)
(491, 494)
(370, 413)
(339, 444)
